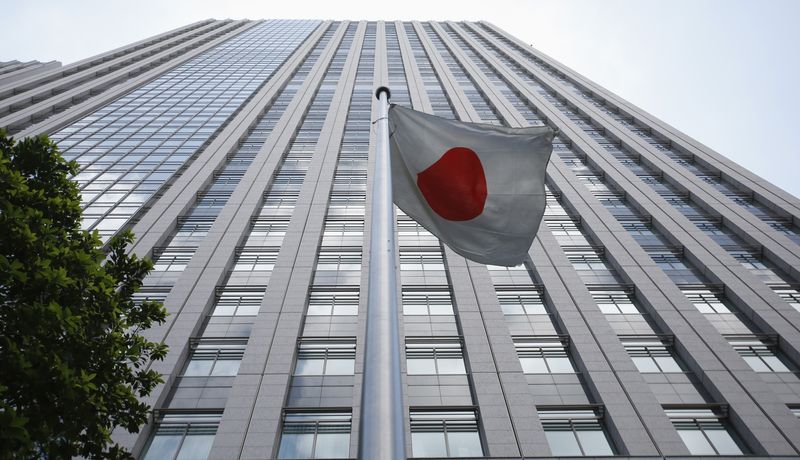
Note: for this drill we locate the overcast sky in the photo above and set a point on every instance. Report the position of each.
(723, 71)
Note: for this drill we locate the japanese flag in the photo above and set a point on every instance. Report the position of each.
(479, 188)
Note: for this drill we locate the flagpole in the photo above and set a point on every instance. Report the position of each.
(382, 427)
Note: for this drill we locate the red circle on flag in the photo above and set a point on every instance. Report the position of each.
(455, 186)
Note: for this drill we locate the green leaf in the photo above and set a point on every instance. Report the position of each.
(72, 368)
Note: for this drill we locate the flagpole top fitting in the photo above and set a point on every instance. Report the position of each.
(382, 89)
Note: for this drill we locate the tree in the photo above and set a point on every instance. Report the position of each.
(72, 361)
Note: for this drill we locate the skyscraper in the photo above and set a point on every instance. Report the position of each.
(658, 314)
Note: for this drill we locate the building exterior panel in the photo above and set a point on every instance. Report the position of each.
(657, 315)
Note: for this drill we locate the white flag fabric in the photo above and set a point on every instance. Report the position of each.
(479, 188)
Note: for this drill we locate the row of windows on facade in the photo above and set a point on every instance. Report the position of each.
(599, 134)
(650, 239)
(442, 432)
(707, 302)
(666, 260)
(582, 257)
(649, 353)
(661, 145)
(339, 259)
(190, 105)
(444, 355)
(211, 199)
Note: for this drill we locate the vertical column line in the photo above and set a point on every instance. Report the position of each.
(266, 370)
(476, 302)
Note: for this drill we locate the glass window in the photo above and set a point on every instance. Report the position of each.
(172, 259)
(427, 300)
(431, 356)
(638, 227)
(706, 301)
(668, 260)
(543, 354)
(421, 260)
(256, 258)
(268, 231)
(343, 231)
(315, 435)
(215, 357)
(650, 354)
(517, 301)
(759, 352)
(339, 259)
(749, 260)
(326, 357)
(442, 433)
(239, 300)
(211, 199)
(195, 228)
(703, 431)
(563, 228)
(333, 302)
(562, 440)
(183, 436)
(790, 295)
(574, 432)
(614, 302)
(279, 203)
(412, 234)
(151, 294)
(586, 258)
(347, 203)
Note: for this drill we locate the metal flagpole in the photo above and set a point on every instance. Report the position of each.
(381, 427)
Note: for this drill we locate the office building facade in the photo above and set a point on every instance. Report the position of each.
(657, 316)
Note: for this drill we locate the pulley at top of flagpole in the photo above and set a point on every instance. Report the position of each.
(383, 89)
(383, 116)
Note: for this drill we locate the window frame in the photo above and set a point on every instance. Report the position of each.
(445, 421)
(435, 349)
(616, 296)
(652, 347)
(709, 297)
(427, 297)
(183, 423)
(575, 419)
(333, 297)
(757, 347)
(524, 297)
(705, 417)
(215, 350)
(325, 349)
(321, 422)
(172, 259)
(549, 349)
(237, 297)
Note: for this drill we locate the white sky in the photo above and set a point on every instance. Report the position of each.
(723, 71)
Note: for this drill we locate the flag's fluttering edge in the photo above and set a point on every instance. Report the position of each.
(479, 188)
